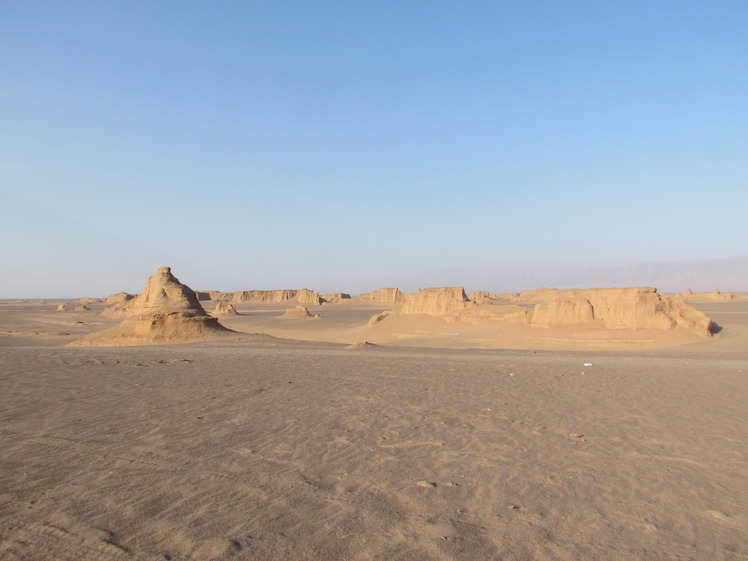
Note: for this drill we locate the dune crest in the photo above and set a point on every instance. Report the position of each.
(166, 312)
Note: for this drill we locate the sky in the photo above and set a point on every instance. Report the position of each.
(327, 145)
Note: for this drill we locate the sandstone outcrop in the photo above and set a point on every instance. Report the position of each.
(298, 312)
(335, 296)
(81, 308)
(615, 308)
(119, 298)
(480, 297)
(167, 311)
(223, 309)
(304, 297)
(60, 307)
(436, 301)
(89, 301)
(715, 296)
(388, 296)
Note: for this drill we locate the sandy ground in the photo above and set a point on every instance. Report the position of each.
(267, 449)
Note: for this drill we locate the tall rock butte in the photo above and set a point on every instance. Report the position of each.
(166, 312)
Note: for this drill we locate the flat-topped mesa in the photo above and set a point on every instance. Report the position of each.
(304, 297)
(167, 311)
(436, 301)
(388, 296)
(616, 308)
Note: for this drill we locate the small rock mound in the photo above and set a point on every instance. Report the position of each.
(166, 312)
(224, 309)
(298, 312)
(60, 307)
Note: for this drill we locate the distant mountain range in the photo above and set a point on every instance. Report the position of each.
(702, 275)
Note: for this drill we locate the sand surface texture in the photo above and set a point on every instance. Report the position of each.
(260, 448)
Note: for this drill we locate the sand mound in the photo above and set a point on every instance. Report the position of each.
(81, 308)
(224, 309)
(389, 296)
(617, 308)
(166, 312)
(436, 301)
(304, 297)
(298, 312)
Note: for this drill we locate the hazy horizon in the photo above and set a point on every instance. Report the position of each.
(328, 145)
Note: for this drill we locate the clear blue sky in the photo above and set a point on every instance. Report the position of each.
(272, 144)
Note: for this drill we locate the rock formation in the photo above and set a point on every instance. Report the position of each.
(298, 312)
(480, 297)
(615, 308)
(389, 296)
(335, 296)
(89, 301)
(715, 296)
(166, 312)
(436, 301)
(304, 297)
(224, 309)
(60, 307)
(81, 308)
(119, 298)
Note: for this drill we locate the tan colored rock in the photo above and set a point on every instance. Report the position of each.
(166, 312)
(335, 296)
(89, 301)
(480, 297)
(223, 309)
(388, 296)
(119, 298)
(81, 308)
(617, 308)
(60, 307)
(305, 297)
(298, 312)
(436, 301)
(376, 318)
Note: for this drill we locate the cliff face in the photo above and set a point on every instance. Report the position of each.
(304, 297)
(617, 308)
(436, 301)
(389, 296)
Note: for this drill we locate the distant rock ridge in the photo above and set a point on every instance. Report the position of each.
(166, 312)
(616, 308)
(389, 296)
(436, 301)
(611, 308)
(715, 296)
(304, 297)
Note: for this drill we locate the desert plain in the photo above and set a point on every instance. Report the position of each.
(348, 429)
